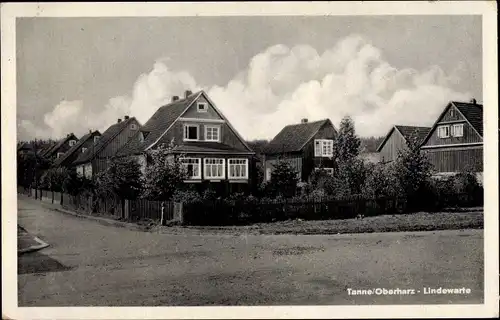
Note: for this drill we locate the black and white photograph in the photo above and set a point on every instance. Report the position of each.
(249, 155)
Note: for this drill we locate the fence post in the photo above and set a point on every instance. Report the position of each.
(52, 196)
(162, 219)
(126, 209)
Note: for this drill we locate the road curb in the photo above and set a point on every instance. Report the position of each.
(42, 244)
(105, 221)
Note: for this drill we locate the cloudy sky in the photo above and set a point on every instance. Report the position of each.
(76, 74)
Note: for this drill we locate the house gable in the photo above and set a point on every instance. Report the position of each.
(120, 139)
(175, 132)
(391, 145)
(450, 116)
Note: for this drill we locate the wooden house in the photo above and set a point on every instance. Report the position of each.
(67, 159)
(397, 138)
(455, 141)
(306, 146)
(59, 149)
(213, 153)
(97, 156)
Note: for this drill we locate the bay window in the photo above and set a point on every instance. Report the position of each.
(214, 168)
(238, 168)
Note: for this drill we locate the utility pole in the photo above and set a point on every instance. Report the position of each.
(34, 169)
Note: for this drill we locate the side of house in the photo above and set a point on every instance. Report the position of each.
(97, 156)
(397, 139)
(306, 146)
(455, 141)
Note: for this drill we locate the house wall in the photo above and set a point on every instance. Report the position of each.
(392, 146)
(456, 159)
(309, 160)
(192, 112)
(453, 116)
(294, 159)
(119, 141)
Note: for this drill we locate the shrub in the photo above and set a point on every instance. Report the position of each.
(283, 181)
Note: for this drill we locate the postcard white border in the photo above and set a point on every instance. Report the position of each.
(10, 11)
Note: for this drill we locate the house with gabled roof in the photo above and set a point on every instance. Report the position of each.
(97, 156)
(213, 152)
(397, 139)
(455, 141)
(59, 148)
(82, 145)
(306, 146)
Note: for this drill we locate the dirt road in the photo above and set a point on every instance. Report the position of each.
(88, 264)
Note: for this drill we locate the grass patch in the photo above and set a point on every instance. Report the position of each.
(421, 221)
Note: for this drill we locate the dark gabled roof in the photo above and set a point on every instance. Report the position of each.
(293, 138)
(473, 112)
(161, 120)
(407, 132)
(208, 147)
(75, 148)
(24, 146)
(59, 144)
(103, 141)
(45, 149)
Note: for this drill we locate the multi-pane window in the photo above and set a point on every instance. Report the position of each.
(323, 148)
(444, 131)
(268, 174)
(457, 130)
(84, 149)
(191, 132)
(212, 133)
(133, 126)
(193, 167)
(238, 168)
(72, 143)
(96, 138)
(214, 168)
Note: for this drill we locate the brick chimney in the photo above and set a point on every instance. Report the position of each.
(175, 98)
(473, 101)
(119, 120)
(126, 117)
(303, 120)
(187, 93)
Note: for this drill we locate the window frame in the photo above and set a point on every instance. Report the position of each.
(218, 132)
(245, 177)
(96, 138)
(453, 131)
(197, 177)
(133, 126)
(72, 142)
(322, 143)
(205, 108)
(205, 164)
(59, 154)
(269, 171)
(186, 125)
(84, 149)
(440, 130)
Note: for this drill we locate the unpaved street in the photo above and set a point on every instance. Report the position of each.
(89, 264)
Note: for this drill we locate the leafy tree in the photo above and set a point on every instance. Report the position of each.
(164, 174)
(381, 181)
(284, 179)
(30, 168)
(413, 171)
(347, 144)
(53, 179)
(122, 178)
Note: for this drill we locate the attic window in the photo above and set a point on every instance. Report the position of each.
(191, 132)
(84, 149)
(60, 154)
(202, 107)
(72, 143)
(96, 138)
(133, 126)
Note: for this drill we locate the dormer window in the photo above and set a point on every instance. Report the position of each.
(72, 143)
(202, 106)
(191, 132)
(96, 138)
(84, 149)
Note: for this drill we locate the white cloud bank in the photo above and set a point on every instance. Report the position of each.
(282, 85)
